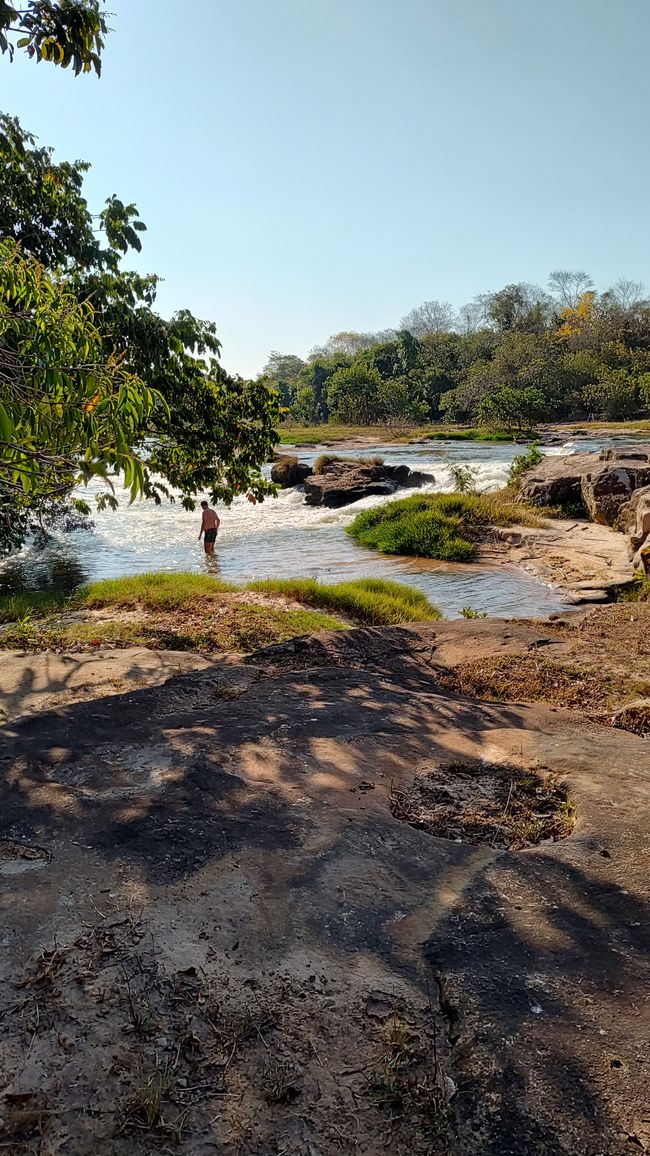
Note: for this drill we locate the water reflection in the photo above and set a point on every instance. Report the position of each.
(59, 566)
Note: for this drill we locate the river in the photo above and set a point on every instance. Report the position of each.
(283, 537)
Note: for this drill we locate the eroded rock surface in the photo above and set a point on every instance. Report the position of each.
(598, 485)
(223, 902)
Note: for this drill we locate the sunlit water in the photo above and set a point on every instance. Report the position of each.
(283, 537)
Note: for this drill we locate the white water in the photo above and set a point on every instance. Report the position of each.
(283, 537)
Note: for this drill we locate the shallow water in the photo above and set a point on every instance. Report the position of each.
(283, 537)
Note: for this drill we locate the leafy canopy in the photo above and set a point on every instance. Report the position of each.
(204, 430)
(63, 32)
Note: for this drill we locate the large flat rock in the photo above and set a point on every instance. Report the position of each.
(242, 844)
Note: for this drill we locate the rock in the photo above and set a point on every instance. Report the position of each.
(634, 518)
(608, 489)
(597, 485)
(341, 483)
(288, 471)
(557, 481)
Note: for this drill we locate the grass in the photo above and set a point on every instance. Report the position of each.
(26, 603)
(371, 601)
(326, 434)
(152, 590)
(601, 694)
(443, 526)
(330, 459)
(195, 612)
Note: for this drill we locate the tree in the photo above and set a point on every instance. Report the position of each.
(349, 343)
(282, 366)
(515, 410)
(429, 319)
(214, 430)
(42, 206)
(63, 32)
(569, 286)
(522, 306)
(67, 411)
(354, 396)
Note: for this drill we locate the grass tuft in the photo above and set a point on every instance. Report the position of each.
(331, 459)
(443, 526)
(371, 601)
(153, 591)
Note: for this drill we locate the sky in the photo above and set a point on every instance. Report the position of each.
(308, 166)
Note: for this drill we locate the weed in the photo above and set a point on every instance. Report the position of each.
(523, 462)
(372, 601)
(470, 612)
(279, 1081)
(464, 478)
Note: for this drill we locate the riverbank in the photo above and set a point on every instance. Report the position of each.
(360, 437)
(265, 902)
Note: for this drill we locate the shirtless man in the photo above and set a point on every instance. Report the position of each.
(209, 525)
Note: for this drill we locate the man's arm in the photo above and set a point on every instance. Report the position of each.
(202, 525)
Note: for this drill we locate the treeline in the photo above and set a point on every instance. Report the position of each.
(507, 360)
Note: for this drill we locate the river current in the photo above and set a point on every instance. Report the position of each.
(283, 537)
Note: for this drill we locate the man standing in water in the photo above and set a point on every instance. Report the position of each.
(209, 525)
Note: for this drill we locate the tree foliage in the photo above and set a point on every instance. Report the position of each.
(69, 33)
(204, 430)
(509, 358)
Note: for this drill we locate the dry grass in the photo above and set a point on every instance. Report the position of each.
(481, 803)
(595, 691)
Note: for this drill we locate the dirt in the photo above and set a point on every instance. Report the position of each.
(227, 941)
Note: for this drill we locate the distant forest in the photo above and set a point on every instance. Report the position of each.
(506, 360)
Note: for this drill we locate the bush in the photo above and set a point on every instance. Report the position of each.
(443, 526)
(524, 462)
(463, 477)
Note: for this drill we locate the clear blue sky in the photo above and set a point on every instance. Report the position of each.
(306, 166)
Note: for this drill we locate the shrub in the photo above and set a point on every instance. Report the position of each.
(463, 477)
(524, 462)
(443, 526)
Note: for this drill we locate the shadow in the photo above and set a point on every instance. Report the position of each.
(285, 782)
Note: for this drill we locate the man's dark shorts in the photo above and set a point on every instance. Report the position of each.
(210, 535)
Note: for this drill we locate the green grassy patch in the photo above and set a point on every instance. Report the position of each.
(196, 612)
(316, 435)
(152, 590)
(239, 627)
(29, 603)
(443, 526)
(372, 601)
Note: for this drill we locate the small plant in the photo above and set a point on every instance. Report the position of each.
(523, 462)
(470, 612)
(464, 478)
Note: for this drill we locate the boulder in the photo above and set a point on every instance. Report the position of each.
(288, 471)
(597, 485)
(634, 520)
(343, 482)
(340, 488)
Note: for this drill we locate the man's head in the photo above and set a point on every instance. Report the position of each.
(204, 505)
